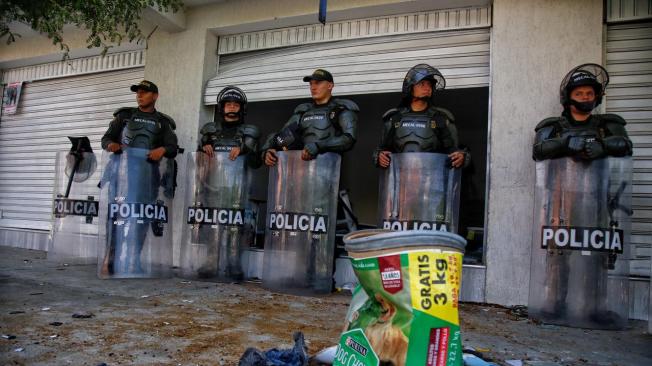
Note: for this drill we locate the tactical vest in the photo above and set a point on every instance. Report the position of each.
(590, 128)
(142, 130)
(224, 139)
(419, 132)
(317, 123)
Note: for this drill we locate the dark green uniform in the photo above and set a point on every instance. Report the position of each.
(331, 127)
(431, 130)
(135, 128)
(223, 136)
(599, 136)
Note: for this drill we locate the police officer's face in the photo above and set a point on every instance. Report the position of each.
(422, 89)
(231, 110)
(145, 98)
(231, 107)
(583, 94)
(321, 90)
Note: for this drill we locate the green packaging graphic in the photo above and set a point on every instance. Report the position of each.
(405, 310)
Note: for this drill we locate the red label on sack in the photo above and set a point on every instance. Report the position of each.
(437, 347)
(390, 273)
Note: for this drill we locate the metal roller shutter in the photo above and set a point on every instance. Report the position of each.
(629, 62)
(50, 110)
(359, 66)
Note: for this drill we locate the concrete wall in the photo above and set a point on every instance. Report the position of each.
(31, 44)
(533, 45)
(180, 64)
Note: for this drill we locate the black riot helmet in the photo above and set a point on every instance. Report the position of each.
(592, 75)
(232, 94)
(418, 73)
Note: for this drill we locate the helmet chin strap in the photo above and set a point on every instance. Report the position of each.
(585, 107)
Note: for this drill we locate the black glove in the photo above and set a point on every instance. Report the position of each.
(593, 149)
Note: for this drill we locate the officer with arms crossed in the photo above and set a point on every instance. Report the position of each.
(577, 132)
(567, 287)
(230, 133)
(139, 128)
(324, 125)
(417, 125)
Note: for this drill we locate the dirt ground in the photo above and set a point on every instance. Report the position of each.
(179, 322)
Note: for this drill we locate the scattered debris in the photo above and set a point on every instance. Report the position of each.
(473, 360)
(327, 355)
(291, 357)
(517, 312)
(83, 315)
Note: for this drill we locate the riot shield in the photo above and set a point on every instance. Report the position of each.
(580, 243)
(419, 191)
(135, 216)
(75, 209)
(301, 218)
(216, 228)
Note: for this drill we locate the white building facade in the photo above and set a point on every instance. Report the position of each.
(503, 61)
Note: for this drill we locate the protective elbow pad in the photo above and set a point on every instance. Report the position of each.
(617, 145)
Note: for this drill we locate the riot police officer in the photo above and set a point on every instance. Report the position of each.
(577, 132)
(324, 125)
(417, 125)
(222, 245)
(230, 133)
(575, 189)
(141, 129)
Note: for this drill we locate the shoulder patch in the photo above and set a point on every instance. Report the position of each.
(302, 108)
(124, 110)
(550, 121)
(445, 112)
(250, 130)
(170, 120)
(347, 104)
(612, 118)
